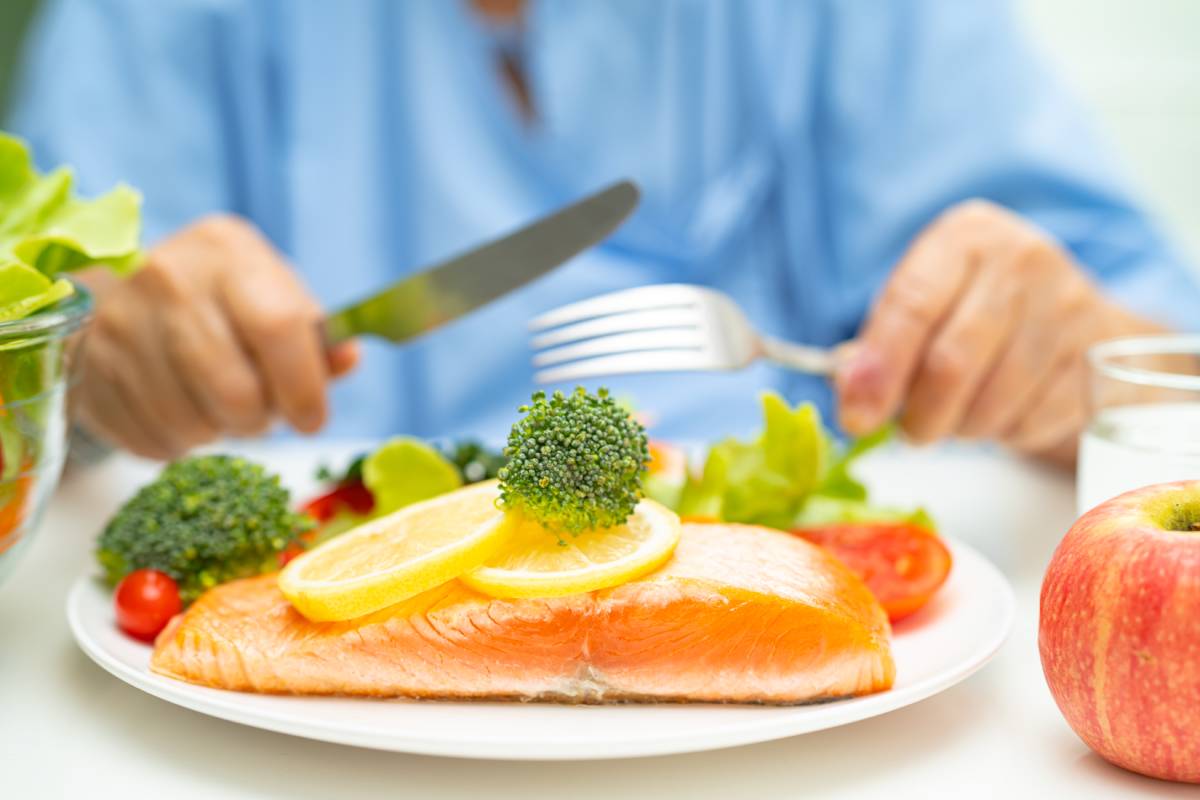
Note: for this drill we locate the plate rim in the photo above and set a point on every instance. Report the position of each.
(223, 704)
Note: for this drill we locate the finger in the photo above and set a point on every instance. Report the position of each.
(218, 372)
(1008, 390)
(173, 291)
(107, 414)
(111, 421)
(277, 322)
(915, 301)
(152, 417)
(342, 358)
(1038, 344)
(1058, 411)
(1054, 310)
(187, 421)
(960, 355)
(122, 355)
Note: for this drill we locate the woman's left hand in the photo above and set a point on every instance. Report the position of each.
(980, 333)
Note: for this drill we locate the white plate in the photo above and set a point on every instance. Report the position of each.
(947, 641)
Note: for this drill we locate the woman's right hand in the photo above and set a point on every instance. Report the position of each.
(214, 336)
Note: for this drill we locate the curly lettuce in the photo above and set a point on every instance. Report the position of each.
(794, 473)
(45, 231)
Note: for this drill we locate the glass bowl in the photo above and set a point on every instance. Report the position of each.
(36, 370)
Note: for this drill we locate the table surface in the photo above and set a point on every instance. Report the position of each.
(69, 729)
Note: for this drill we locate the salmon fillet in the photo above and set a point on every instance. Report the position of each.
(739, 614)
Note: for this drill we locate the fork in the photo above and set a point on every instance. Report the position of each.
(670, 327)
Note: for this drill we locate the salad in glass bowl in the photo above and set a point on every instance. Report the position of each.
(45, 232)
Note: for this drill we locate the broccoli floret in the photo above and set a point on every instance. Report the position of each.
(205, 520)
(575, 462)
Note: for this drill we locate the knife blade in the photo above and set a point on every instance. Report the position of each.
(426, 300)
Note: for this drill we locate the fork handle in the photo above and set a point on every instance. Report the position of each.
(802, 358)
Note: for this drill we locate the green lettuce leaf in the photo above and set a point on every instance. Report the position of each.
(793, 473)
(662, 489)
(46, 230)
(764, 481)
(838, 482)
(827, 510)
(703, 493)
(24, 290)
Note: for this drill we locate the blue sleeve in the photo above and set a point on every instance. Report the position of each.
(139, 92)
(926, 103)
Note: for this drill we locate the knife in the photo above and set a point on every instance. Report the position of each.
(427, 300)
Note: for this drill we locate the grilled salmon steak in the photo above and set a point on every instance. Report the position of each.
(739, 614)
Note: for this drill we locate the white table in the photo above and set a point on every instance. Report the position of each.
(68, 729)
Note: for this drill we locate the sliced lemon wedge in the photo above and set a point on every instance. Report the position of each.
(534, 562)
(396, 557)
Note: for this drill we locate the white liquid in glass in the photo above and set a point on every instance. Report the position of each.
(1133, 446)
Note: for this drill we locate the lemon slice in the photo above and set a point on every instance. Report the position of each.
(537, 563)
(397, 556)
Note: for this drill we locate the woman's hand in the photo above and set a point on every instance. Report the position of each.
(214, 336)
(981, 333)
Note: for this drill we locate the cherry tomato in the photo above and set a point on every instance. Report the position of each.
(145, 600)
(902, 564)
(351, 496)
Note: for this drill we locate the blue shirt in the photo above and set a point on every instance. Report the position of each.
(788, 151)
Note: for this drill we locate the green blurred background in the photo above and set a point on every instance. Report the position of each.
(14, 16)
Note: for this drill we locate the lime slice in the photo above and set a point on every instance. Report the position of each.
(405, 471)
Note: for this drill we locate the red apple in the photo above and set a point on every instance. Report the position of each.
(1120, 630)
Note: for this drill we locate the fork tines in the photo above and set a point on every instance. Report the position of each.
(648, 329)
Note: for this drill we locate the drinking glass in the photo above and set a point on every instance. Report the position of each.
(1145, 416)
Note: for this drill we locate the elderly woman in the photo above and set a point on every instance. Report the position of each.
(906, 173)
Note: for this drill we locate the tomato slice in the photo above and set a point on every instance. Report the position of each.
(353, 496)
(145, 601)
(902, 564)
